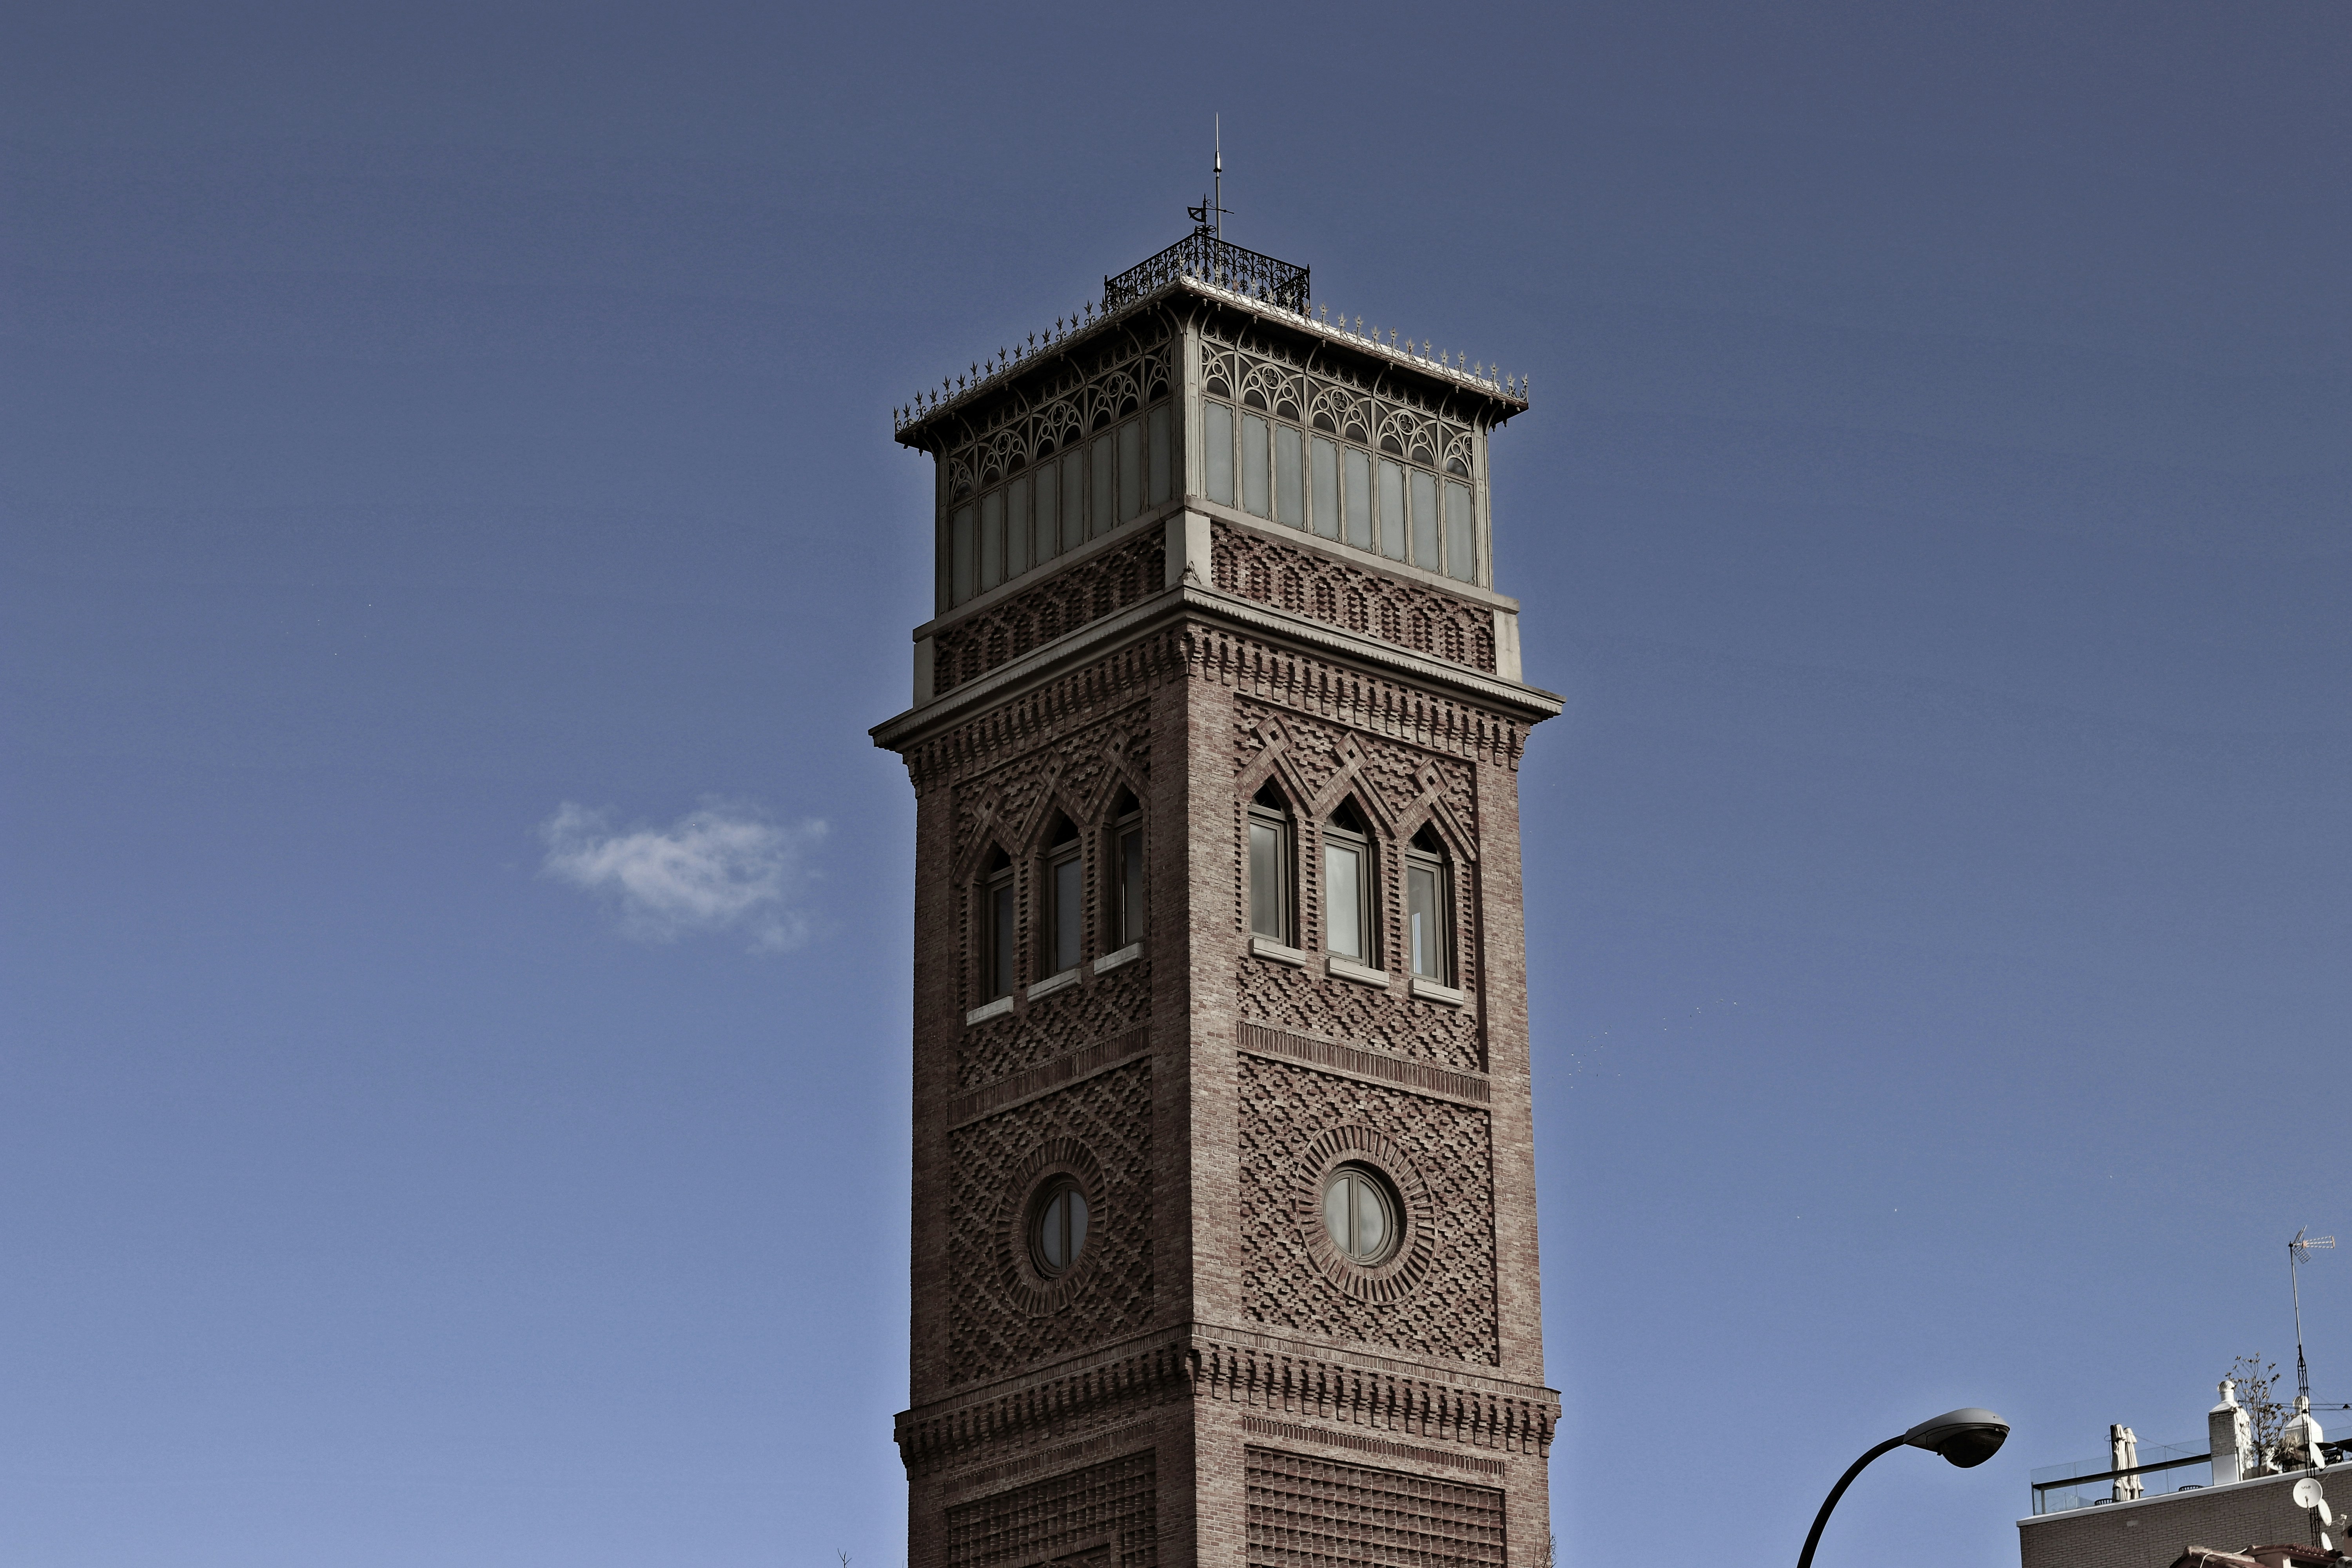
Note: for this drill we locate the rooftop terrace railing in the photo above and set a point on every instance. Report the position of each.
(2175, 1468)
(1202, 254)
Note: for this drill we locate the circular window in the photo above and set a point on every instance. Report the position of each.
(1057, 1229)
(1359, 1213)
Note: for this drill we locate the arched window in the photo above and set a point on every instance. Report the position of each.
(1270, 863)
(1348, 877)
(1065, 898)
(999, 928)
(1429, 914)
(1127, 869)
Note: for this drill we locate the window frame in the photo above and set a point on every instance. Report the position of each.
(1359, 842)
(1281, 821)
(1053, 1191)
(1061, 853)
(1441, 943)
(1361, 1177)
(1127, 884)
(999, 934)
(1389, 505)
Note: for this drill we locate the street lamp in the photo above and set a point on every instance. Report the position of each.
(1967, 1437)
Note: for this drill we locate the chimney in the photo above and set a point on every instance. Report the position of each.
(2229, 1437)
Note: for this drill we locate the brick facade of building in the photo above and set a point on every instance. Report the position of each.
(1208, 1380)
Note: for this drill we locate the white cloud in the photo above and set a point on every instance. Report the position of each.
(724, 867)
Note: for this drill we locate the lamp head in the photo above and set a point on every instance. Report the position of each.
(1966, 1437)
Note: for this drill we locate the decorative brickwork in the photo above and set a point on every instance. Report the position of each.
(1101, 1517)
(1048, 710)
(995, 1323)
(1375, 1396)
(1309, 582)
(1302, 684)
(1098, 1006)
(1285, 1111)
(1415, 1076)
(1065, 601)
(1403, 785)
(1076, 774)
(1300, 999)
(1087, 1393)
(1320, 1513)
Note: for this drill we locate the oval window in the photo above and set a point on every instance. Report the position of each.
(1059, 1232)
(1359, 1213)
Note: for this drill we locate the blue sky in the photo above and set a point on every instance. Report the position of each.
(454, 985)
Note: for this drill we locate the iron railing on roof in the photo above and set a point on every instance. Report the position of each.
(1200, 254)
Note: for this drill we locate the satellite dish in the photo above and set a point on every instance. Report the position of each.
(2307, 1494)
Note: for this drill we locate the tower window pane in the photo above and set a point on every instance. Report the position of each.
(1074, 498)
(1217, 454)
(1269, 876)
(1343, 899)
(1359, 1216)
(1426, 912)
(964, 556)
(1130, 885)
(1049, 535)
(1289, 483)
(1099, 521)
(1000, 932)
(1424, 519)
(1461, 549)
(1059, 1232)
(1358, 493)
(991, 539)
(1069, 910)
(1326, 466)
(1016, 527)
(1130, 470)
(1162, 449)
(1391, 511)
(1255, 499)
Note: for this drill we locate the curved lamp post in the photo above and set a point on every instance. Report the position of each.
(1966, 1437)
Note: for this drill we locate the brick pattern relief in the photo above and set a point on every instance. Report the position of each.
(1286, 1109)
(1401, 788)
(1307, 583)
(990, 1328)
(1320, 1513)
(1065, 601)
(1304, 684)
(1105, 1516)
(1098, 1007)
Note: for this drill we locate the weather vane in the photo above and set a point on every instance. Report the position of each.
(1211, 212)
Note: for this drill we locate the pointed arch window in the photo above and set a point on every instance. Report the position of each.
(999, 928)
(1127, 869)
(1269, 865)
(1065, 898)
(1429, 909)
(1347, 881)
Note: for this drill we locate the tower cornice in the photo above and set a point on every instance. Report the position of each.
(1512, 699)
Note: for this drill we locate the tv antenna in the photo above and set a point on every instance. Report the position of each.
(2297, 1251)
(1211, 212)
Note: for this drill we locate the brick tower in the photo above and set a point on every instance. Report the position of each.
(1225, 1210)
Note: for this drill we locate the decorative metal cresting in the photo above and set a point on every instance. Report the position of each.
(1203, 259)
(1201, 255)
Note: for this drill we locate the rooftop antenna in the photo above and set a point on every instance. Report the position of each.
(2297, 1251)
(1210, 215)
